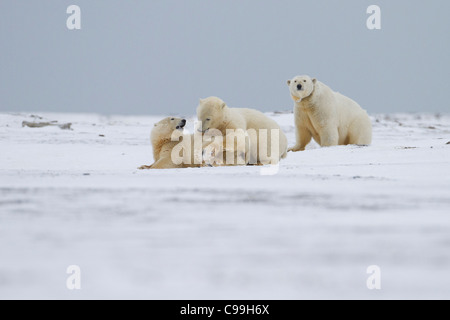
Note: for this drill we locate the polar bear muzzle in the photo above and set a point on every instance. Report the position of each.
(181, 125)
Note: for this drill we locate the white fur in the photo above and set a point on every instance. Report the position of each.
(163, 146)
(215, 114)
(328, 117)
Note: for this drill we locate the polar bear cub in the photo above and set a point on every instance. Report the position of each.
(214, 114)
(164, 144)
(329, 117)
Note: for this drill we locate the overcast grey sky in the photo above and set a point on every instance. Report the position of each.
(160, 56)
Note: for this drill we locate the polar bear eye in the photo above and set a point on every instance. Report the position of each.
(172, 119)
(208, 119)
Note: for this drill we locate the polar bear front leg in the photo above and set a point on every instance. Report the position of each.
(329, 136)
(303, 137)
(164, 163)
(302, 134)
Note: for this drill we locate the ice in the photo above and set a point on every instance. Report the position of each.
(309, 231)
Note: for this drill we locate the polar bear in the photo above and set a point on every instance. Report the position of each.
(329, 117)
(163, 146)
(230, 150)
(213, 113)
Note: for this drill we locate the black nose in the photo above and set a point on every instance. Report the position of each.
(182, 123)
(299, 87)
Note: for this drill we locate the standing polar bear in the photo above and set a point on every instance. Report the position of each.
(329, 117)
(213, 113)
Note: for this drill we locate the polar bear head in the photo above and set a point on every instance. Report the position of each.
(301, 87)
(164, 129)
(211, 113)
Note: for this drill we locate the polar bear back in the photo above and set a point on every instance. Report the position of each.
(255, 119)
(350, 118)
(348, 107)
(248, 119)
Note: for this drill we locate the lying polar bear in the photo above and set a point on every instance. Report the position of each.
(214, 114)
(163, 146)
(327, 116)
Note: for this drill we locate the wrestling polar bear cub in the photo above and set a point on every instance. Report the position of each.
(214, 114)
(329, 117)
(164, 145)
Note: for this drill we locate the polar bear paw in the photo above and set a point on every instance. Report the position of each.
(144, 167)
(296, 149)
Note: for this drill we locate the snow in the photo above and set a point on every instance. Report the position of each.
(310, 231)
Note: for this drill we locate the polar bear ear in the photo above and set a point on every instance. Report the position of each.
(314, 80)
(201, 100)
(289, 82)
(223, 105)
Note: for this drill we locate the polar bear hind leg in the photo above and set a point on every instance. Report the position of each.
(360, 132)
(329, 136)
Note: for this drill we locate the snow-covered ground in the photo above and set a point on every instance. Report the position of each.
(310, 231)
